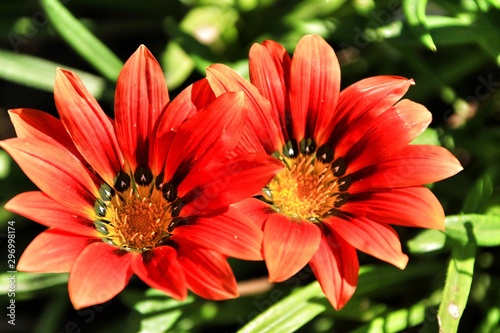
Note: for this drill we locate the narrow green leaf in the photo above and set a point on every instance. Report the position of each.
(478, 197)
(484, 229)
(427, 241)
(457, 285)
(51, 315)
(40, 73)
(415, 14)
(491, 324)
(290, 313)
(396, 321)
(82, 40)
(376, 278)
(177, 65)
(29, 284)
(429, 137)
(157, 312)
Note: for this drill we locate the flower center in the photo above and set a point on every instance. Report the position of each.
(311, 186)
(137, 214)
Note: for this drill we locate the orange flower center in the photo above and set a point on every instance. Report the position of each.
(311, 186)
(136, 216)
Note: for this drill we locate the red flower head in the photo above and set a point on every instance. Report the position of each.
(147, 193)
(349, 168)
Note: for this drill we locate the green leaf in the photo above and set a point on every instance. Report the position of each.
(415, 14)
(177, 65)
(158, 312)
(483, 229)
(82, 40)
(478, 197)
(5, 163)
(290, 313)
(396, 321)
(40, 73)
(457, 285)
(429, 137)
(491, 324)
(30, 284)
(427, 241)
(377, 278)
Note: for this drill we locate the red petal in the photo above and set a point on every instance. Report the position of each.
(100, 272)
(158, 150)
(376, 239)
(314, 86)
(186, 104)
(413, 165)
(141, 95)
(40, 208)
(288, 245)
(261, 132)
(160, 269)
(207, 273)
(90, 128)
(257, 210)
(217, 186)
(336, 267)
(360, 104)
(53, 251)
(388, 133)
(411, 207)
(270, 72)
(59, 174)
(232, 234)
(31, 123)
(209, 135)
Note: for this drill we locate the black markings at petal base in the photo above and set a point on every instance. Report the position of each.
(122, 182)
(341, 199)
(143, 176)
(100, 208)
(307, 146)
(325, 154)
(290, 149)
(344, 183)
(101, 227)
(106, 192)
(339, 167)
(159, 181)
(169, 192)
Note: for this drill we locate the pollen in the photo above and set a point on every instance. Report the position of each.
(311, 186)
(135, 214)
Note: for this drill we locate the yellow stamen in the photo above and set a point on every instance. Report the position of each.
(306, 189)
(137, 219)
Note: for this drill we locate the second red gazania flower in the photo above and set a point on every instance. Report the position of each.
(350, 169)
(147, 193)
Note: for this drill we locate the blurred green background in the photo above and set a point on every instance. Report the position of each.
(450, 48)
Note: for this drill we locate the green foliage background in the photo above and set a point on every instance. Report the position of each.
(450, 48)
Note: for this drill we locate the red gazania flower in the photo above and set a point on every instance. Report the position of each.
(350, 170)
(146, 194)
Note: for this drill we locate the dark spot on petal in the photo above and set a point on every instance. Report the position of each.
(169, 192)
(307, 146)
(100, 208)
(106, 192)
(101, 227)
(339, 167)
(143, 176)
(344, 183)
(122, 182)
(159, 181)
(325, 154)
(341, 199)
(290, 149)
